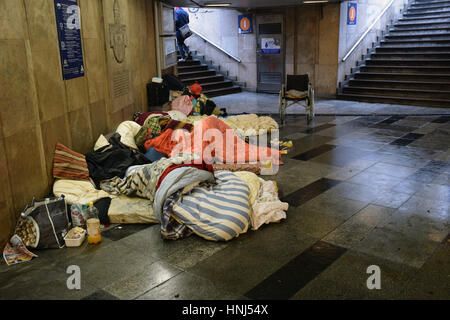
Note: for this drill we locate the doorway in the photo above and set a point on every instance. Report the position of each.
(270, 52)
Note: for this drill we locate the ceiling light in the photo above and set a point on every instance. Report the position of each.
(209, 4)
(315, 1)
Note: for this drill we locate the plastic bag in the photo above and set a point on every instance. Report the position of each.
(76, 212)
(183, 104)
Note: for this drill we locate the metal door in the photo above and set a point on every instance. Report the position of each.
(270, 52)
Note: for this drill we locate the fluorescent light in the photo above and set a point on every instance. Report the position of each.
(217, 4)
(315, 1)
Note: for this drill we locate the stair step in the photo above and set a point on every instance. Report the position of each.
(203, 80)
(421, 24)
(435, 42)
(441, 18)
(428, 2)
(400, 84)
(217, 85)
(426, 14)
(402, 76)
(419, 30)
(429, 6)
(398, 92)
(418, 36)
(423, 12)
(195, 74)
(200, 67)
(410, 55)
(193, 62)
(409, 62)
(223, 91)
(406, 69)
(396, 100)
(416, 49)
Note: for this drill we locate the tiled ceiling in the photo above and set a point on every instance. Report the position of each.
(240, 3)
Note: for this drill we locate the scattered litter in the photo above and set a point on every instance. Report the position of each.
(16, 252)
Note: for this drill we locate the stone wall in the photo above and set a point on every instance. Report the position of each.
(38, 108)
(316, 28)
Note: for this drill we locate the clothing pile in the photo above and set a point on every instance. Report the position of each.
(167, 168)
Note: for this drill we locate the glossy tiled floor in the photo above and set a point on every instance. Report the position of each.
(363, 190)
(251, 102)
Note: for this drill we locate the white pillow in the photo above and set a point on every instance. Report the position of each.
(101, 142)
(127, 131)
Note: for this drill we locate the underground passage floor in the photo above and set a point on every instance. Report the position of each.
(362, 191)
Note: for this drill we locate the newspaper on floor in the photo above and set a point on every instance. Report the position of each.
(16, 252)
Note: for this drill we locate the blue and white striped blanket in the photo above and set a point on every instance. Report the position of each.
(217, 212)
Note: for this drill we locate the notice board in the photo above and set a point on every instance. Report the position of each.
(68, 24)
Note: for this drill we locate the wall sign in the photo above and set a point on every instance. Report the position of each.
(270, 46)
(69, 35)
(352, 13)
(245, 23)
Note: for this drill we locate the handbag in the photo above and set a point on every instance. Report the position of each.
(185, 32)
(44, 223)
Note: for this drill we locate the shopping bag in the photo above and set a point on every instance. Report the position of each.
(185, 31)
(44, 224)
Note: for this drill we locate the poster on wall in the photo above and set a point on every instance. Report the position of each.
(270, 46)
(69, 37)
(352, 13)
(245, 23)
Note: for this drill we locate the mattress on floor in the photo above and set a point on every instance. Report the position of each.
(131, 210)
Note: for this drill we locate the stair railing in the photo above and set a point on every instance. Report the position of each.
(216, 46)
(367, 31)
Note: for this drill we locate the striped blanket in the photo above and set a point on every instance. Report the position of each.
(141, 180)
(217, 212)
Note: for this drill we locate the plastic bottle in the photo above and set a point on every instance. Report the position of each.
(93, 225)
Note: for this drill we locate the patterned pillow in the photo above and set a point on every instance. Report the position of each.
(68, 164)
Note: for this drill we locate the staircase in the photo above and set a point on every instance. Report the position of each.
(214, 82)
(410, 64)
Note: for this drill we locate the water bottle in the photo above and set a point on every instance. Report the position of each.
(93, 224)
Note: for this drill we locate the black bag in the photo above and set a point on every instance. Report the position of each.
(173, 83)
(158, 94)
(50, 222)
(185, 32)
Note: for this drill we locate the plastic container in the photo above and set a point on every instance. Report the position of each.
(75, 237)
(93, 224)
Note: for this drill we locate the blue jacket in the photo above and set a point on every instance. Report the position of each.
(181, 18)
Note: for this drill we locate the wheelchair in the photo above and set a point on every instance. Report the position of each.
(304, 97)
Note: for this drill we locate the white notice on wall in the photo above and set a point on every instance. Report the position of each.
(270, 46)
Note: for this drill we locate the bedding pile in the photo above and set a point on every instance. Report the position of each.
(192, 174)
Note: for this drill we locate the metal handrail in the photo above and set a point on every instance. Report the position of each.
(367, 31)
(216, 46)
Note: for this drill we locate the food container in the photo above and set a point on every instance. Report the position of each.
(75, 237)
